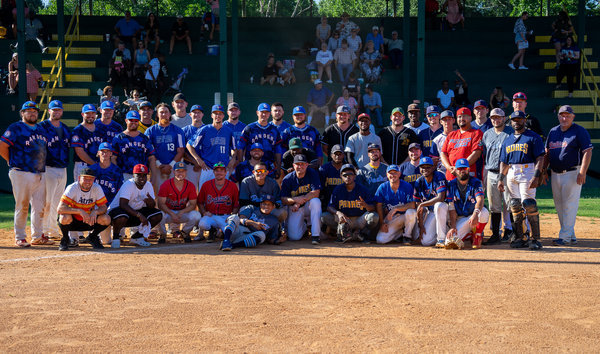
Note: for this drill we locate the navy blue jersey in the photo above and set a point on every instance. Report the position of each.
(189, 131)
(244, 169)
(426, 136)
(213, 145)
(372, 177)
(26, 147)
(484, 127)
(89, 141)
(110, 179)
(425, 191)
(464, 205)
(59, 140)
(282, 127)
(131, 151)
(107, 132)
(292, 186)
(348, 201)
(330, 178)
(390, 199)
(565, 149)
(166, 141)
(309, 136)
(268, 136)
(520, 149)
(409, 173)
(235, 129)
(253, 213)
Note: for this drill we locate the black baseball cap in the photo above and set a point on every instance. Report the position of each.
(179, 96)
(300, 158)
(86, 171)
(336, 148)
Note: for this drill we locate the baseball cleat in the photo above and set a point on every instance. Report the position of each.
(493, 240)
(73, 242)
(573, 240)
(140, 242)
(439, 244)
(226, 245)
(212, 235)
(22, 243)
(535, 245)
(63, 247)
(519, 243)
(115, 243)
(560, 242)
(315, 240)
(42, 240)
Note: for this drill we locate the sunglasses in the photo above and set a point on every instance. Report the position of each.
(433, 114)
(347, 174)
(261, 170)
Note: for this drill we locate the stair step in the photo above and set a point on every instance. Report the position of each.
(71, 123)
(546, 39)
(64, 92)
(576, 94)
(589, 65)
(588, 79)
(590, 125)
(71, 63)
(71, 77)
(582, 109)
(77, 50)
(67, 107)
(552, 51)
(82, 37)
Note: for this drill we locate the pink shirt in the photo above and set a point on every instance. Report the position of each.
(32, 81)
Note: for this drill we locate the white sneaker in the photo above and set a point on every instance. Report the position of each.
(140, 242)
(115, 244)
(523, 67)
(510, 65)
(329, 81)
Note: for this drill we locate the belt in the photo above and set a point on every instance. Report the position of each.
(494, 171)
(567, 170)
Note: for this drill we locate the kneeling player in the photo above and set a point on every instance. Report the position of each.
(82, 207)
(252, 226)
(468, 217)
(432, 210)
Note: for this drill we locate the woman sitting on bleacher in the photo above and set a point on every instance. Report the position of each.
(371, 63)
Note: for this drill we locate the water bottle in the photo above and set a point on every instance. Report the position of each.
(252, 79)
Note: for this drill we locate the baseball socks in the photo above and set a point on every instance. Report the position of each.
(495, 238)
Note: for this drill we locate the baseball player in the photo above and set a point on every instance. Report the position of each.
(373, 174)
(245, 168)
(212, 143)
(145, 110)
(308, 135)
(396, 138)
(462, 143)
(340, 131)
(234, 123)
(83, 207)
(168, 143)
(57, 160)
(447, 120)
(134, 206)
(426, 136)
(329, 175)
(414, 117)
(300, 192)
(481, 122)
(519, 103)
(106, 127)
(180, 118)
(521, 161)
(264, 133)
(252, 226)
(396, 208)
(296, 148)
(357, 145)
(430, 199)
(277, 113)
(131, 148)
(351, 209)
(409, 170)
(467, 215)
(84, 140)
(568, 152)
(498, 202)
(217, 200)
(193, 170)
(258, 184)
(177, 199)
(23, 146)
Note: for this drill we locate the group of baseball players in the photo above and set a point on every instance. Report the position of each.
(269, 181)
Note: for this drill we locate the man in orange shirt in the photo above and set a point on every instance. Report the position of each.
(462, 143)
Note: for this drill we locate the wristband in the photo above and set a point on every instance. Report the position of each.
(243, 222)
(172, 163)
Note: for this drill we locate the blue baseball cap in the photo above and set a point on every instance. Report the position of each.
(480, 103)
(298, 109)
(425, 161)
(447, 113)
(256, 146)
(179, 166)
(107, 105)
(517, 114)
(268, 198)
(145, 104)
(56, 104)
(30, 105)
(264, 107)
(566, 109)
(462, 163)
(217, 108)
(347, 166)
(393, 168)
(132, 115)
(343, 109)
(88, 108)
(197, 107)
(432, 109)
(105, 146)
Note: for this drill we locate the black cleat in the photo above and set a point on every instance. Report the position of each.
(535, 245)
(162, 240)
(63, 247)
(493, 240)
(518, 244)
(212, 235)
(315, 240)
(506, 235)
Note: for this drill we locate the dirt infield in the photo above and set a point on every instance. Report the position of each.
(298, 297)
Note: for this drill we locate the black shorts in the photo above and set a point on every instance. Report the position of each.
(79, 225)
(133, 220)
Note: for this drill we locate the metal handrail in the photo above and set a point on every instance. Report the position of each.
(595, 92)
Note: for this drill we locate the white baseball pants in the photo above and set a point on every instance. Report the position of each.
(407, 221)
(55, 183)
(297, 220)
(28, 188)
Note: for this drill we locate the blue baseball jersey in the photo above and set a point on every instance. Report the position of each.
(409, 173)
(244, 169)
(166, 141)
(107, 132)
(26, 147)
(565, 149)
(426, 136)
(189, 131)
(282, 127)
(59, 139)
(348, 201)
(110, 179)
(425, 191)
(131, 151)
(386, 196)
(521, 149)
(292, 186)
(309, 135)
(237, 130)
(268, 136)
(89, 141)
(330, 178)
(213, 145)
(464, 205)
(484, 127)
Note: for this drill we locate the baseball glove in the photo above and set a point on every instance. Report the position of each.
(453, 242)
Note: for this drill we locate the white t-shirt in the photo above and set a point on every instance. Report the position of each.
(76, 198)
(445, 98)
(358, 143)
(324, 56)
(135, 196)
(155, 67)
(418, 130)
(354, 43)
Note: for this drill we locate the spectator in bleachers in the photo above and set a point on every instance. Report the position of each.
(270, 73)
(498, 99)
(107, 95)
(354, 42)
(33, 31)
(569, 65)
(152, 28)
(324, 60)
(454, 14)
(134, 101)
(520, 32)
(214, 17)
(318, 100)
(323, 32)
(353, 86)
(376, 37)
(395, 48)
(346, 100)
(461, 91)
(33, 81)
(371, 63)
(128, 30)
(563, 28)
(13, 74)
(373, 104)
(141, 58)
(285, 74)
(445, 96)
(119, 69)
(345, 26)
(345, 61)
(155, 81)
(180, 32)
(335, 42)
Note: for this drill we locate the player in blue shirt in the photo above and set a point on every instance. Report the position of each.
(234, 123)
(308, 134)
(23, 146)
(481, 121)
(351, 210)
(465, 198)
(521, 161)
(193, 170)
(409, 170)
(131, 147)
(277, 113)
(426, 136)
(245, 168)
(396, 208)
(85, 141)
(264, 133)
(329, 174)
(106, 127)
(430, 199)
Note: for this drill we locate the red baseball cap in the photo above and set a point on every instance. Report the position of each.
(140, 168)
(463, 111)
(519, 96)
